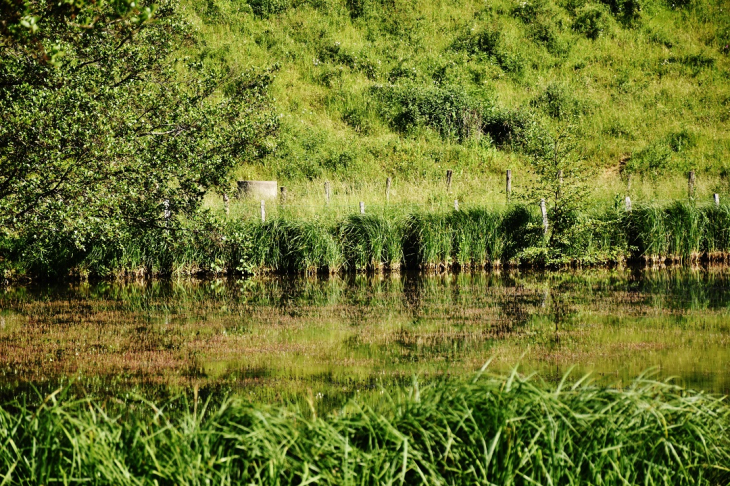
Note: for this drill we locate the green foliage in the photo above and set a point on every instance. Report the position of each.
(477, 239)
(490, 45)
(427, 241)
(371, 242)
(265, 8)
(498, 429)
(25, 23)
(449, 110)
(121, 135)
(592, 20)
(558, 101)
(717, 229)
(627, 11)
(646, 231)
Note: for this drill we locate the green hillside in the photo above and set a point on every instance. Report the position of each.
(408, 88)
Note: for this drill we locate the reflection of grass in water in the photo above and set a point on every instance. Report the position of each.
(287, 334)
(495, 430)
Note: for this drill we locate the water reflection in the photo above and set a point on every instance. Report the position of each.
(341, 334)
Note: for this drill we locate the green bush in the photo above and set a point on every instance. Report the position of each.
(592, 20)
(264, 8)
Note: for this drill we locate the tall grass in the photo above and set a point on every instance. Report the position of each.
(372, 242)
(471, 238)
(504, 430)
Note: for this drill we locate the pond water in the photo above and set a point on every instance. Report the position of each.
(336, 336)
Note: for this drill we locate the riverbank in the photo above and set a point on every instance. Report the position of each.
(387, 239)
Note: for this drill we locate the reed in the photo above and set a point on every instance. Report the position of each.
(427, 241)
(392, 238)
(372, 242)
(477, 239)
(717, 231)
(647, 235)
(685, 226)
(497, 429)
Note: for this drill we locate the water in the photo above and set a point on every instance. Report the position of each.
(333, 337)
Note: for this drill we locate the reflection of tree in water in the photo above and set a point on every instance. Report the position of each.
(413, 293)
(514, 304)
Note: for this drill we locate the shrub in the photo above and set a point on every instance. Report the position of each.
(265, 8)
(557, 101)
(489, 42)
(592, 20)
(449, 110)
(627, 11)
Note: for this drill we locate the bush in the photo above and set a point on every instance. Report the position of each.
(265, 8)
(627, 11)
(557, 101)
(592, 20)
(489, 42)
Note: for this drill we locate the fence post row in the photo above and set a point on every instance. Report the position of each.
(543, 210)
(508, 190)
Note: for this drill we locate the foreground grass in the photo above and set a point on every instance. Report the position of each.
(494, 430)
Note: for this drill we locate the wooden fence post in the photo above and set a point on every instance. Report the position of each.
(509, 184)
(362, 207)
(456, 204)
(716, 197)
(691, 184)
(627, 201)
(263, 211)
(387, 189)
(449, 174)
(282, 195)
(543, 210)
(225, 203)
(327, 191)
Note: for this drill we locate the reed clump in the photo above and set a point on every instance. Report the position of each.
(471, 238)
(506, 430)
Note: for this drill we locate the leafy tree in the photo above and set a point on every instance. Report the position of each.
(121, 132)
(561, 177)
(23, 21)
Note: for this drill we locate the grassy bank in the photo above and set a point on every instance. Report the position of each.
(496, 430)
(390, 238)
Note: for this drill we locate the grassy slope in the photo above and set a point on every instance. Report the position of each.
(655, 89)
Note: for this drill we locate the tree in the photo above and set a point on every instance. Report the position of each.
(120, 126)
(23, 21)
(560, 177)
